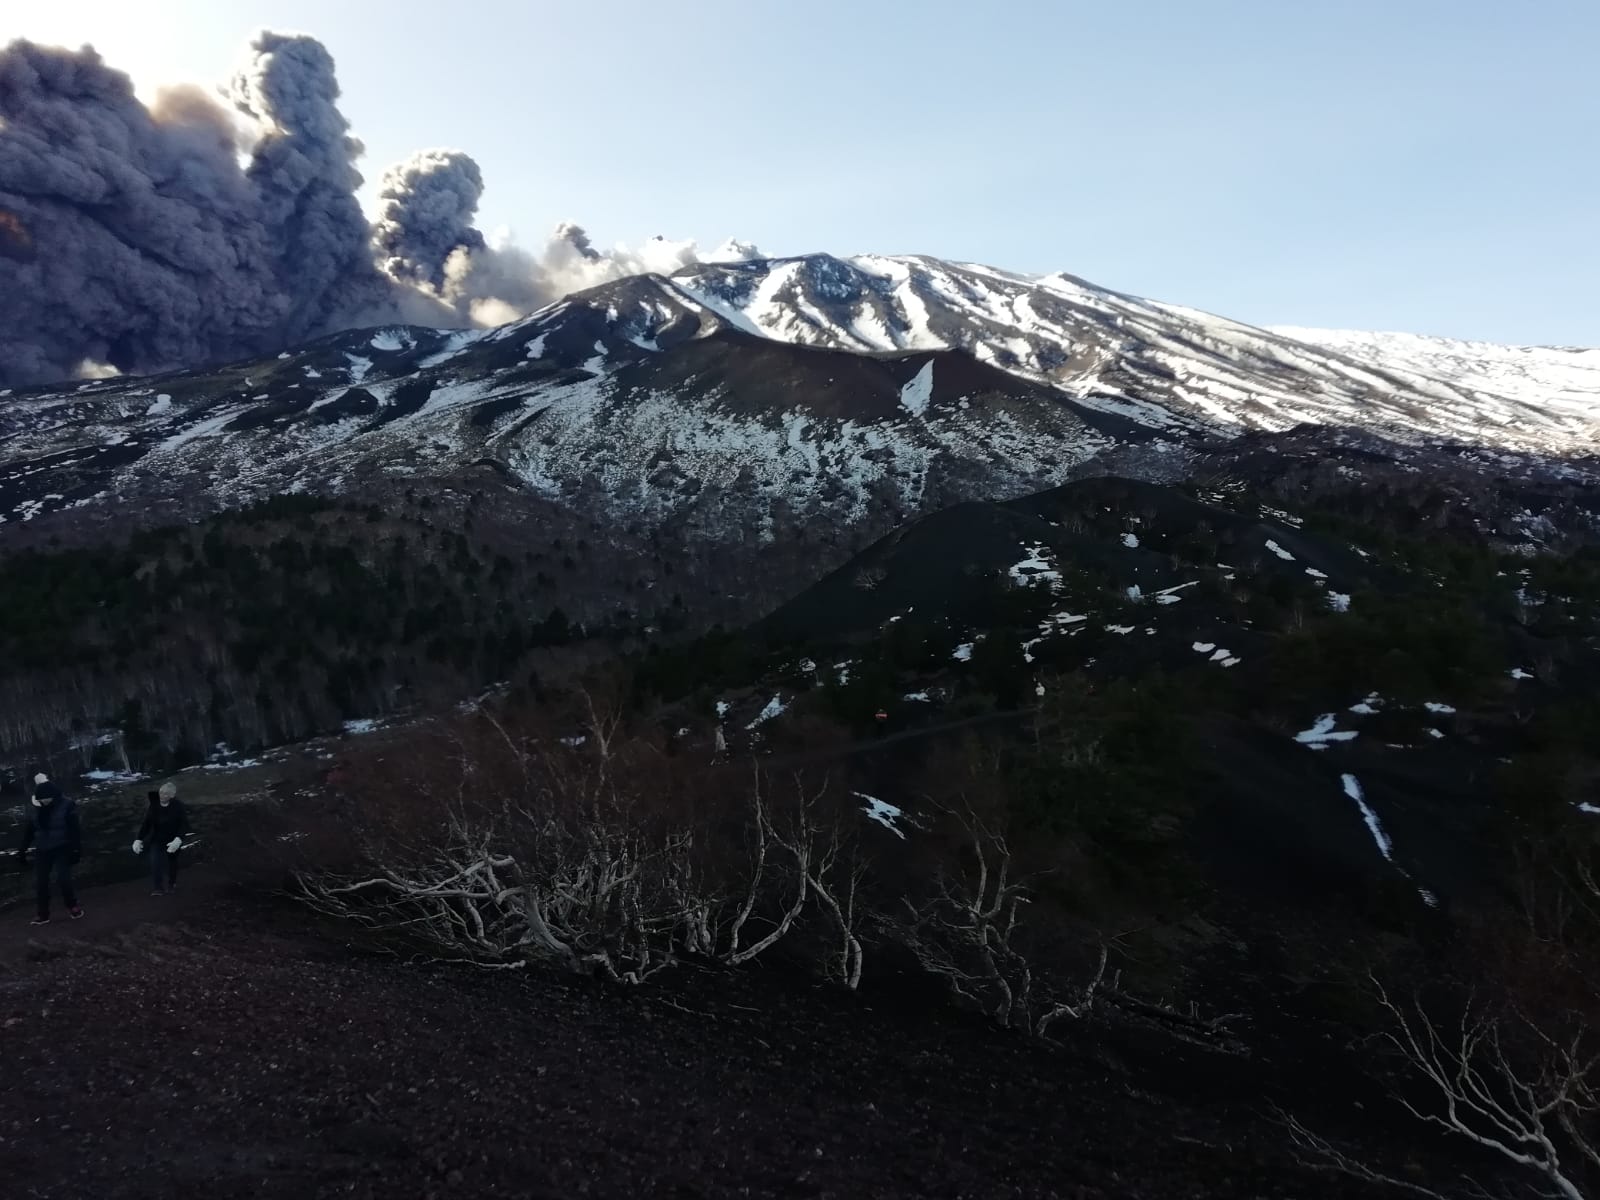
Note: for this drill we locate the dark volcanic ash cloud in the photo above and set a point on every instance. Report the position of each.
(148, 238)
(429, 204)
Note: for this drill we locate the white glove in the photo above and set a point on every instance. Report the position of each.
(138, 846)
(174, 845)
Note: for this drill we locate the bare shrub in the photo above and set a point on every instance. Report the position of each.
(592, 851)
(1506, 1059)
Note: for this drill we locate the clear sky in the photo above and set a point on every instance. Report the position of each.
(1424, 165)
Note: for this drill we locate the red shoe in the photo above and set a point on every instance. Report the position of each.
(77, 912)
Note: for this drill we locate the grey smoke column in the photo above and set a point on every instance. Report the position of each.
(132, 235)
(304, 175)
(429, 203)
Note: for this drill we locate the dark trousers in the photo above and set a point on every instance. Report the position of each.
(59, 864)
(163, 868)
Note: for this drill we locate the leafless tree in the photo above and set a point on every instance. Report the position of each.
(1512, 1066)
(969, 930)
(570, 850)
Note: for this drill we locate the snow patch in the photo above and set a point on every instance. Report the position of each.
(1279, 551)
(1352, 788)
(775, 708)
(1323, 732)
(918, 394)
(883, 813)
(1035, 568)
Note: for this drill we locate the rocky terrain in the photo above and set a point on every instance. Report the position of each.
(217, 1042)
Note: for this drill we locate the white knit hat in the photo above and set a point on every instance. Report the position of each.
(41, 777)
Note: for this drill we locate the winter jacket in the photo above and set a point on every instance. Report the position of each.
(163, 822)
(51, 822)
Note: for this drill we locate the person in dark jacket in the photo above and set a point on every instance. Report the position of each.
(51, 827)
(166, 824)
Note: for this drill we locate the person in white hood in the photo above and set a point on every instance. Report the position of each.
(166, 825)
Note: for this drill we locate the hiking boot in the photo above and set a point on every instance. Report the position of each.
(77, 912)
(40, 921)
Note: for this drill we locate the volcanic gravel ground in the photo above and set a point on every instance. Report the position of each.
(223, 1049)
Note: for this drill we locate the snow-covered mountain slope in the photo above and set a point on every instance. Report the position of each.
(1162, 364)
(633, 399)
(1555, 378)
(733, 401)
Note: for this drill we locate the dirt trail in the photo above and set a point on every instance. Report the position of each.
(107, 909)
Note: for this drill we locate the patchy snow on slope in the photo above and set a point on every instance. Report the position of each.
(963, 652)
(919, 697)
(163, 404)
(1322, 732)
(1204, 647)
(391, 340)
(1339, 602)
(363, 725)
(1435, 707)
(1131, 540)
(883, 813)
(1170, 595)
(535, 348)
(1352, 788)
(1279, 551)
(1519, 673)
(775, 708)
(918, 394)
(1037, 567)
(454, 345)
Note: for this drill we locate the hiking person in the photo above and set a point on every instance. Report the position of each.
(166, 824)
(50, 826)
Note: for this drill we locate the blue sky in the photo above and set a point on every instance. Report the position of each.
(1422, 165)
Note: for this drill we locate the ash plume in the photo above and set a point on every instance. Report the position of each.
(428, 205)
(140, 238)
